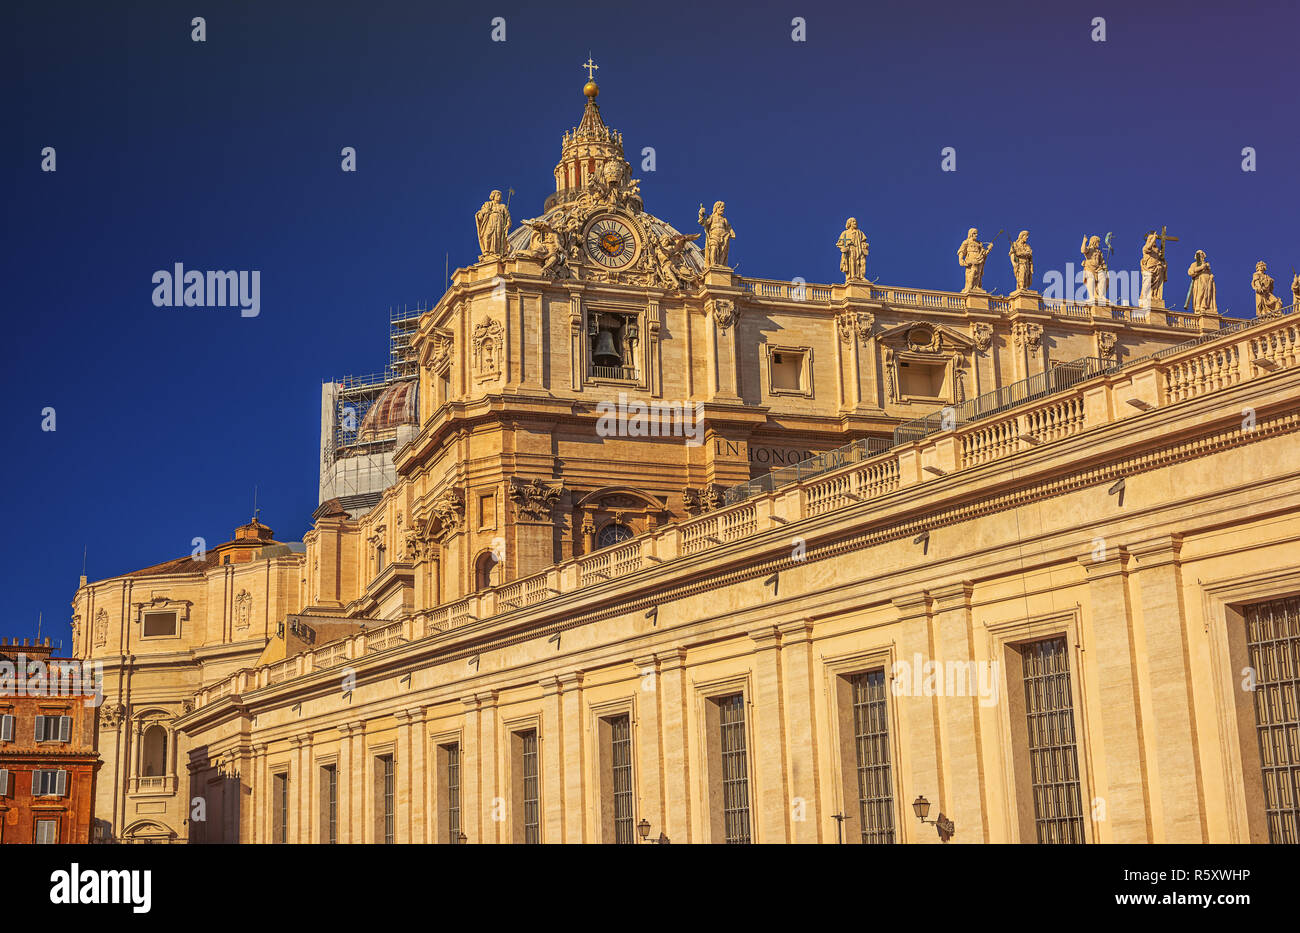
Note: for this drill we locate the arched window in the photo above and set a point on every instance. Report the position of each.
(613, 534)
(487, 571)
(153, 756)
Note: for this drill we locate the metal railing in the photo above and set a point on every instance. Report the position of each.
(624, 373)
(1060, 377)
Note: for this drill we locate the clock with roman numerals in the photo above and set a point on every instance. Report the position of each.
(611, 243)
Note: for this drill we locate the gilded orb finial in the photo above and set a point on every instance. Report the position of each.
(591, 89)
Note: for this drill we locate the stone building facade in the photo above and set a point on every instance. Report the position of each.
(658, 517)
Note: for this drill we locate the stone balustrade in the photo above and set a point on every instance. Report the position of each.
(1246, 350)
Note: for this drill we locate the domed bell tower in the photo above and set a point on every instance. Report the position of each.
(590, 150)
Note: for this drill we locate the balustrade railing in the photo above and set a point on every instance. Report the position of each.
(1049, 407)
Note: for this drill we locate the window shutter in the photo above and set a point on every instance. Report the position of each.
(4, 783)
(61, 783)
(65, 727)
(40, 728)
(36, 783)
(6, 728)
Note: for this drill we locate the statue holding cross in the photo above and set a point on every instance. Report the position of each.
(1155, 269)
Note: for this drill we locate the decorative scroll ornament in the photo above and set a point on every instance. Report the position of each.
(855, 323)
(982, 334)
(442, 347)
(697, 501)
(723, 311)
(110, 717)
(922, 338)
(1027, 335)
(243, 608)
(1106, 345)
(489, 342)
(450, 511)
(101, 627)
(534, 499)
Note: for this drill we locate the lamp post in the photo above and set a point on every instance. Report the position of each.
(942, 825)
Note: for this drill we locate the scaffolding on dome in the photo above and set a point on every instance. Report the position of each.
(357, 446)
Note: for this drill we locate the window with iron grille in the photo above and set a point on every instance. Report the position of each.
(871, 740)
(1053, 758)
(620, 731)
(388, 775)
(47, 832)
(280, 804)
(452, 753)
(531, 804)
(329, 780)
(735, 769)
(1273, 644)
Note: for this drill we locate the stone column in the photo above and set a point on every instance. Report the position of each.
(1159, 576)
(471, 773)
(343, 785)
(918, 716)
(1122, 747)
(552, 763)
(307, 822)
(295, 791)
(259, 794)
(404, 788)
(647, 726)
(493, 803)
(676, 762)
(767, 760)
(962, 759)
(421, 813)
(801, 730)
(574, 760)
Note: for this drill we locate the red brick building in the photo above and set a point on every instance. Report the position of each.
(48, 746)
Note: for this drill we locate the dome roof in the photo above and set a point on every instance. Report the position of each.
(395, 406)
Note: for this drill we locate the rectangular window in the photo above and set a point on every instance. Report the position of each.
(48, 782)
(6, 728)
(1050, 741)
(280, 808)
(385, 786)
(788, 370)
(4, 783)
(1273, 646)
(53, 728)
(329, 804)
(47, 832)
(620, 739)
(875, 787)
(922, 380)
(527, 794)
(159, 623)
(451, 801)
(732, 779)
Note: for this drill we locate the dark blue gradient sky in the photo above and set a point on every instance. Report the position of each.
(225, 155)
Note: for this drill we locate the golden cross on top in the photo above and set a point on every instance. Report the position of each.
(591, 68)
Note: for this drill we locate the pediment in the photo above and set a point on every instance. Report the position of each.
(925, 337)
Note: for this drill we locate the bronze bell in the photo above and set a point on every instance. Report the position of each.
(605, 353)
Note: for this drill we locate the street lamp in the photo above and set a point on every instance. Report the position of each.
(942, 825)
(461, 838)
(644, 829)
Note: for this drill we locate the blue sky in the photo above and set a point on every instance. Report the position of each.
(225, 155)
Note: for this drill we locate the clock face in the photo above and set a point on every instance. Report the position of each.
(611, 243)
